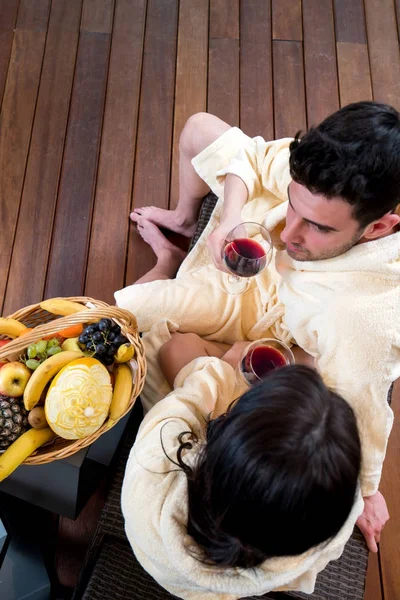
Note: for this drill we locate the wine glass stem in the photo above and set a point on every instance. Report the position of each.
(234, 279)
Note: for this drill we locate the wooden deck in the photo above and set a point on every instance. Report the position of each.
(94, 94)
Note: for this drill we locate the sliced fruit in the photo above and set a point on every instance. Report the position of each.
(11, 327)
(42, 375)
(122, 393)
(124, 353)
(59, 306)
(79, 399)
(22, 448)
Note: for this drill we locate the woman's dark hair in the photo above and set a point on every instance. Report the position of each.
(278, 472)
(354, 154)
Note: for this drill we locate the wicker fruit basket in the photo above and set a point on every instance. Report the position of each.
(45, 323)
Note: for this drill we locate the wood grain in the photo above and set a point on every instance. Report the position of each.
(390, 540)
(97, 16)
(224, 19)
(109, 235)
(354, 73)
(16, 121)
(289, 95)
(154, 139)
(373, 587)
(320, 60)
(67, 265)
(256, 95)
(44, 163)
(191, 75)
(383, 44)
(350, 21)
(8, 16)
(286, 20)
(223, 79)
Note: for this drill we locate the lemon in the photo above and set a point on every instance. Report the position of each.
(79, 399)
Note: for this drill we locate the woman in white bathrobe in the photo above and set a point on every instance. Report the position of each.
(258, 499)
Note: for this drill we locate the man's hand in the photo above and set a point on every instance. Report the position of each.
(216, 239)
(373, 520)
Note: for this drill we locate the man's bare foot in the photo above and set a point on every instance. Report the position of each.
(162, 248)
(168, 219)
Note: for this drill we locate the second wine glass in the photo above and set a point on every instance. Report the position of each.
(246, 251)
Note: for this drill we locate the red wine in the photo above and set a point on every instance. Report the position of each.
(261, 361)
(245, 257)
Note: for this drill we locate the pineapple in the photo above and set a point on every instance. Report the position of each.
(13, 420)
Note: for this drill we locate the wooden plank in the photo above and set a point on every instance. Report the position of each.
(286, 20)
(224, 19)
(373, 584)
(320, 60)
(8, 16)
(354, 73)
(67, 265)
(256, 94)
(352, 52)
(223, 79)
(153, 151)
(397, 3)
(33, 16)
(289, 94)
(115, 173)
(350, 21)
(390, 488)
(191, 75)
(383, 47)
(97, 16)
(42, 174)
(16, 123)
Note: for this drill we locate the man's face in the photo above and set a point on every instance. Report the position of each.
(317, 228)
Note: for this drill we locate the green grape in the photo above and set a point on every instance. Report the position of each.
(53, 350)
(32, 351)
(41, 346)
(32, 364)
(53, 343)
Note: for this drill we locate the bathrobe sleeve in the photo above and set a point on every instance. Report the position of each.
(197, 387)
(362, 377)
(262, 166)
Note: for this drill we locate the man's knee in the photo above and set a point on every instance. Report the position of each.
(191, 130)
(200, 130)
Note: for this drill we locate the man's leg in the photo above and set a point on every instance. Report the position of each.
(169, 256)
(182, 348)
(200, 130)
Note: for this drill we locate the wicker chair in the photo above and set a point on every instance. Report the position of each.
(112, 571)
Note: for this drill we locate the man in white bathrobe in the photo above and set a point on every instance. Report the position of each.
(329, 200)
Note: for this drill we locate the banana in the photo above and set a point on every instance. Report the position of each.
(124, 353)
(22, 448)
(44, 373)
(11, 327)
(122, 393)
(59, 306)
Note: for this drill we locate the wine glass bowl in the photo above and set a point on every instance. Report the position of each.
(246, 251)
(261, 358)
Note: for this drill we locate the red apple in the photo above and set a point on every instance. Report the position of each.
(13, 379)
(4, 342)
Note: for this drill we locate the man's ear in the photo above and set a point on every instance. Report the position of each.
(383, 226)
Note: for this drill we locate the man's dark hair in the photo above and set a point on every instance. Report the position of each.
(354, 154)
(278, 473)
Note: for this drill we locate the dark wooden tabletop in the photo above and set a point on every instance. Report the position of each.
(94, 95)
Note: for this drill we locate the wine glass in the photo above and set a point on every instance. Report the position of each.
(246, 251)
(261, 357)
